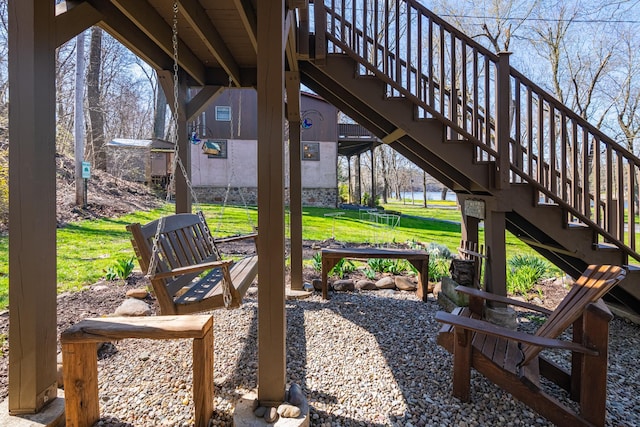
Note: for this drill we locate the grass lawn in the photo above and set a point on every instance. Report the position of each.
(87, 248)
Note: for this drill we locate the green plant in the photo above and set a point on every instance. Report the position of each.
(343, 267)
(438, 268)
(378, 265)
(122, 269)
(316, 261)
(524, 271)
(539, 265)
(397, 266)
(369, 273)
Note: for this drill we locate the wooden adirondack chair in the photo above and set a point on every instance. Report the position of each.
(512, 359)
(185, 252)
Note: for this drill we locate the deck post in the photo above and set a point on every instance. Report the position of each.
(32, 197)
(271, 298)
(495, 243)
(183, 193)
(295, 177)
(503, 116)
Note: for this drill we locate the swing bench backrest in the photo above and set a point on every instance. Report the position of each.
(190, 274)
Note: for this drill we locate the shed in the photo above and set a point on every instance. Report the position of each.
(140, 160)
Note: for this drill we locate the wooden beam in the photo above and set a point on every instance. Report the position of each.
(202, 100)
(72, 18)
(32, 202)
(394, 136)
(290, 42)
(196, 17)
(295, 177)
(149, 21)
(183, 190)
(271, 248)
(249, 20)
(123, 30)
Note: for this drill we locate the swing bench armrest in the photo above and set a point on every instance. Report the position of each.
(196, 268)
(236, 238)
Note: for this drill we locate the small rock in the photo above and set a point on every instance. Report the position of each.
(260, 411)
(405, 284)
(344, 285)
(366, 285)
(138, 293)
(133, 307)
(387, 293)
(288, 411)
(308, 287)
(271, 415)
(144, 356)
(387, 282)
(296, 397)
(100, 288)
(317, 284)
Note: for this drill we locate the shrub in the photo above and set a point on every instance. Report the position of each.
(343, 267)
(524, 271)
(436, 250)
(378, 265)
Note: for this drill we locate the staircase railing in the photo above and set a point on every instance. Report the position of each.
(479, 97)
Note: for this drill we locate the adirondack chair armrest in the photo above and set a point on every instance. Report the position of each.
(498, 298)
(224, 264)
(518, 336)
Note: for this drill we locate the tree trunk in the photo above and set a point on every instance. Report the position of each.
(96, 115)
(443, 195)
(159, 121)
(79, 119)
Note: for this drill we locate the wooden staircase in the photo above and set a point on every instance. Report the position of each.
(466, 117)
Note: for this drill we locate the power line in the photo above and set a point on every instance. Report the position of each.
(583, 21)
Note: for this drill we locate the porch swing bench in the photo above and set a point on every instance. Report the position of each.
(190, 275)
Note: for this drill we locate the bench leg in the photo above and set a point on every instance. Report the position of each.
(423, 279)
(203, 379)
(327, 265)
(80, 364)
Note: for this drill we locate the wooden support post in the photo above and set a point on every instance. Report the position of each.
(593, 393)
(32, 201)
(183, 193)
(271, 298)
(503, 110)
(80, 365)
(295, 178)
(495, 243)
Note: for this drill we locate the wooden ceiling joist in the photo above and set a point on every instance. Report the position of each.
(153, 25)
(123, 30)
(197, 18)
(72, 18)
(249, 20)
(202, 99)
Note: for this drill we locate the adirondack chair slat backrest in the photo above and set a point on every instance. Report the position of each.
(594, 283)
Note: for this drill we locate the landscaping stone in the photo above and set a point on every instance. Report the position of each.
(405, 284)
(317, 284)
(387, 282)
(133, 307)
(138, 293)
(344, 285)
(366, 285)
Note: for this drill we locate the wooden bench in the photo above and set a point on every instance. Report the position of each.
(419, 259)
(80, 366)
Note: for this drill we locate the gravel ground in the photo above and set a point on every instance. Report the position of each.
(362, 359)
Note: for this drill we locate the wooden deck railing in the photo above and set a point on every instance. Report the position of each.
(479, 97)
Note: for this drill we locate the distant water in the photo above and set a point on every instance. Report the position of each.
(431, 195)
